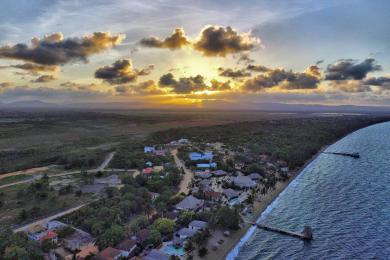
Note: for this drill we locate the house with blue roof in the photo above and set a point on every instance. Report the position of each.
(194, 156)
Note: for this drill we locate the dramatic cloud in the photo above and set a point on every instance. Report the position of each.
(43, 79)
(220, 41)
(245, 58)
(233, 73)
(176, 41)
(257, 68)
(351, 69)
(34, 69)
(283, 79)
(144, 88)
(383, 82)
(121, 72)
(55, 50)
(350, 86)
(220, 86)
(183, 85)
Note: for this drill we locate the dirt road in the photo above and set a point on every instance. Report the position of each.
(188, 174)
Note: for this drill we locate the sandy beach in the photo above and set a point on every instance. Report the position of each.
(258, 207)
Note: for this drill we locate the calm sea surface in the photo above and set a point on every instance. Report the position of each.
(345, 200)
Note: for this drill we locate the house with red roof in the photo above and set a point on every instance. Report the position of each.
(111, 253)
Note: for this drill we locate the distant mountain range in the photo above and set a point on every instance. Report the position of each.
(276, 107)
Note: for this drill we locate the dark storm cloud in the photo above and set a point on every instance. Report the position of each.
(350, 69)
(55, 50)
(177, 40)
(43, 79)
(121, 72)
(184, 85)
(220, 41)
(281, 78)
(230, 73)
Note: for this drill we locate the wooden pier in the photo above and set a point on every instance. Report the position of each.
(307, 233)
(353, 155)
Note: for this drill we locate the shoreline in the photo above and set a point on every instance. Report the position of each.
(259, 208)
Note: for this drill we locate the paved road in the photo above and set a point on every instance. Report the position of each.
(188, 174)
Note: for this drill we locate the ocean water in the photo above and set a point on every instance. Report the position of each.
(346, 201)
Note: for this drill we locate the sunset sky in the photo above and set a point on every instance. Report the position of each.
(206, 54)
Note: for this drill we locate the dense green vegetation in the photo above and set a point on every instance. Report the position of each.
(293, 140)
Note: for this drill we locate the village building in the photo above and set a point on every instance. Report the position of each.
(284, 169)
(190, 203)
(161, 152)
(149, 149)
(206, 165)
(155, 254)
(197, 225)
(244, 182)
(149, 164)
(230, 194)
(219, 173)
(212, 195)
(111, 253)
(185, 233)
(203, 174)
(194, 156)
(154, 195)
(147, 170)
(128, 246)
(79, 240)
(255, 176)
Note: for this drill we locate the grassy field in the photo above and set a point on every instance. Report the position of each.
(80, 139)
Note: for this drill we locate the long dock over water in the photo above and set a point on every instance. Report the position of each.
(305, 235)
(353, 155)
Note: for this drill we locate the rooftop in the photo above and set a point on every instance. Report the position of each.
(190, 203)
(198, 224)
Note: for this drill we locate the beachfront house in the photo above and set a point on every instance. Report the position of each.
(244, 182)
(149, 149)
(190, 203)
